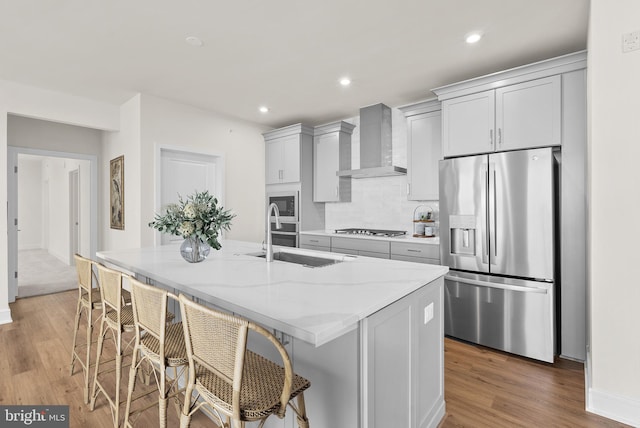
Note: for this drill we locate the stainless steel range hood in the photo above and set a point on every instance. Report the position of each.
(376, 158)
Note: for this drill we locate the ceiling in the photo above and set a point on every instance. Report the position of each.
(285, 54)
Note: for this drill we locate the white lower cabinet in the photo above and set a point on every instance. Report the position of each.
(360, 247)
(401, 347)
(419, 253)
(315, 242)
(388, 372)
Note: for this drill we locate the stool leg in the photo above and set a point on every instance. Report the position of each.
(133, 372)
(76, 326)
(89, 318)
(185, 417)
(118, 376)
(303, 422)
(97, 368)
(162, 396)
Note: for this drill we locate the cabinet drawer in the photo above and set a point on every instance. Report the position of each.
(415, 250)
(316, 241)
(367, 245)
(415, 259)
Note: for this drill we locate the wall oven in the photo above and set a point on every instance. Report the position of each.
(287, 203)
(287, 236)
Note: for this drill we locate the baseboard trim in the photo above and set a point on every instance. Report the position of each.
(616, 407)
(5, 316)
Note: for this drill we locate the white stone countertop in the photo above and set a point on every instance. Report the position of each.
(315, 305)
(404, 238)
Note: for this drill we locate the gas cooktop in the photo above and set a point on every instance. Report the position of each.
(371, 232)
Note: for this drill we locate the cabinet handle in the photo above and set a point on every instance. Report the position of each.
(280, 174)
(408, 188)
(491, 137)
(313, 240)
(413, 251)
(337, 191)
(500, 136)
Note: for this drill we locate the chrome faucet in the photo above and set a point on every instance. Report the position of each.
(276, 211)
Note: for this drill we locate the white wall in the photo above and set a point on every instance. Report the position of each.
(125, 142)
(614, 151)
(30, 215)
(165, 123)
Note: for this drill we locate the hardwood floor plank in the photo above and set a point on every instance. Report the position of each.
(487, 388)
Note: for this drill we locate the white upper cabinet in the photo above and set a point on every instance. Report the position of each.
(282, 154)
(529, 114)
(467, 124)
(520, 108)
(520, 116)
(332, 153)
(424, 150)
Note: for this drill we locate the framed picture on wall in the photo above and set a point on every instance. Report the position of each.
(116, 192)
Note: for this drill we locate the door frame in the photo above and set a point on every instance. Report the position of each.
(75, 219)
(12, 205)
(216, 158)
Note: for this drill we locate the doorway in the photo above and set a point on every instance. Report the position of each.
(52, 215)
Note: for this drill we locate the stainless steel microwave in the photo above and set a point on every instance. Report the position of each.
(287, 203)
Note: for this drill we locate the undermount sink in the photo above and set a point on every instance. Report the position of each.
(301, 259)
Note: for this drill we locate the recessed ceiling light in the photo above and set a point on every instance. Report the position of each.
(473, 38)
(194, 41)
(264, 109)
(345, 81)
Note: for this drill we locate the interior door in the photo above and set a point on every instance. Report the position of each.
(182, 174)
(521, 207)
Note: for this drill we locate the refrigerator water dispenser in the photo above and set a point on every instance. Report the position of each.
(462, 229)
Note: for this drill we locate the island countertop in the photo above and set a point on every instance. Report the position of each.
(315, 305)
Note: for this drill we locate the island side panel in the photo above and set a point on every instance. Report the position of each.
(403, 362)
(333, 398)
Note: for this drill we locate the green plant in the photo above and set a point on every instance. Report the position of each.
(198, 215)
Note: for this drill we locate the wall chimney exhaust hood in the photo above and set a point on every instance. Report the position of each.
(376, 158)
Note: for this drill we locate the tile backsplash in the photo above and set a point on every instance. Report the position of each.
(378, 202)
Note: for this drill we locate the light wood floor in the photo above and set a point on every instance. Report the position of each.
(483, 388)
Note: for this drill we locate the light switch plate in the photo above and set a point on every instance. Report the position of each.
(631, 41)
(428, 312)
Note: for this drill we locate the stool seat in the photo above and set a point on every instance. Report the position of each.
(174, 350)
(260, 391)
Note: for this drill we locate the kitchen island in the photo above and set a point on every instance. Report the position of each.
(367, 333)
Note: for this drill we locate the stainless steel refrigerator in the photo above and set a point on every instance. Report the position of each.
(497, 236)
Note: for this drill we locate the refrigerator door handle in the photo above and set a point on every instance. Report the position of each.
(495, 213)
(485, 253)
(488, 284)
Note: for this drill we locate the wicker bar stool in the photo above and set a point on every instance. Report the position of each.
(157, 343)
(88, 300)
(237, 384)
(117, 318)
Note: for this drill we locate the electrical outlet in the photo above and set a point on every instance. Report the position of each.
(631, 41)
(428, 312)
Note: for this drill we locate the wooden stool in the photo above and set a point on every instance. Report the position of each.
(88, 300)
(159, 344)
(117, 318)
(237, 384)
